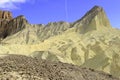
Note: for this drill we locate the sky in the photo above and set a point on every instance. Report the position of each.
(45, 11)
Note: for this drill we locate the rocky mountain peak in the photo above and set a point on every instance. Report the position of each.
(94, 19)
(21, 16)
(5, 15)
(95, 11)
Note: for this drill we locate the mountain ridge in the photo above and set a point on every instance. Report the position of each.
(55, 27)
(91, 40)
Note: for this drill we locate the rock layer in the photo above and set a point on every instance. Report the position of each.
(5, 15)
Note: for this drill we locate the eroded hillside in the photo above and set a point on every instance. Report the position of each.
(89, 42)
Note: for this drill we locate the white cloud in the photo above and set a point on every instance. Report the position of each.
(10, 4)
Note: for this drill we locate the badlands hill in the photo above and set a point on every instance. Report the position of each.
(90, 42)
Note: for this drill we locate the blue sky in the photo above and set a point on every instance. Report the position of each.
(44, 11)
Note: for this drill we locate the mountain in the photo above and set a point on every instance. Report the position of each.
(18, 67)
(90, 42)
(95, 19)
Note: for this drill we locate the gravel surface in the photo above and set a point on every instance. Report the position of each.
(18, 67)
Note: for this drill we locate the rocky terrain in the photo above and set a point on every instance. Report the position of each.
(89, 42)
(18, 67)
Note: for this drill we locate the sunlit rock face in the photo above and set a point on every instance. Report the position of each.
(89, 42)
(5, 15)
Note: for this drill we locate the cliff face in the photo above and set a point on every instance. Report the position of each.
(9, 25)
(5, 15)
(15, 25)
(89, 42)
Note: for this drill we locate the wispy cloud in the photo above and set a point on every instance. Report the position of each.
(11, 4)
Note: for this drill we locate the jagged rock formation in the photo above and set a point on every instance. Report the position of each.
(15, 25)
(18, 67)
(5, 15)
(8, 25)
(89, 42)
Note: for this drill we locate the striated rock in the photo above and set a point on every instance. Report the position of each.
(52, 29)
(3, 22)
(15, 25)
(5, 15)
(9, 26)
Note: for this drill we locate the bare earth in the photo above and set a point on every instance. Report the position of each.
(18, 67)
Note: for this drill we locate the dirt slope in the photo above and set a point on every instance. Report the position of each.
(18, 67)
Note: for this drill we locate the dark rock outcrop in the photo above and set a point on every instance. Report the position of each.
(9, 25)
(5, 17)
